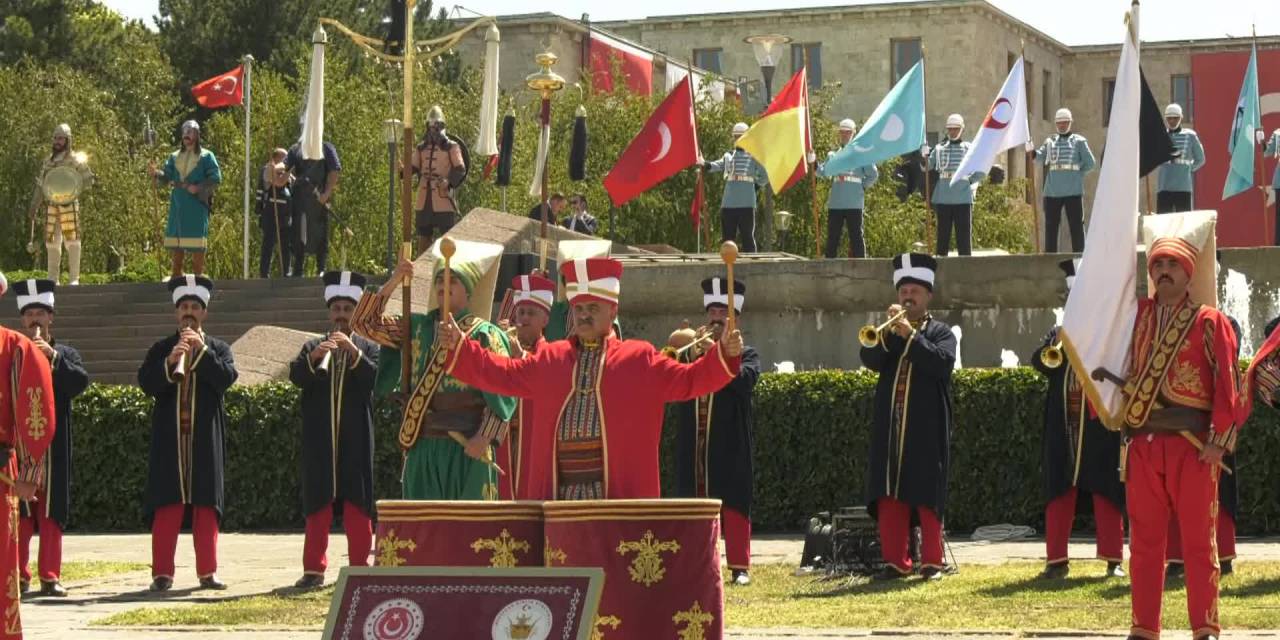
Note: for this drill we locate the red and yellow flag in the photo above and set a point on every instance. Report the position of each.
(779, 139)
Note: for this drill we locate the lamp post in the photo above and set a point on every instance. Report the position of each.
(768, 51)
(392, 130)
(545, 82)
(782, 222)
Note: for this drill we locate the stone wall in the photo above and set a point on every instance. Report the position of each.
(809, 312)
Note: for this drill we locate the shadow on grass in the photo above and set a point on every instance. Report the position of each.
(1037, 584)
(835, 587)
(1268, 587)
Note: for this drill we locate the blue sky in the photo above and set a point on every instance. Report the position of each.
(1074, 22)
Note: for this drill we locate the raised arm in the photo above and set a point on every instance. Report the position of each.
(933, 355)
(69, 374)
(215, 366)
(301, 372)
(1036, 363)
(748, 374)
(475, 365)
(678, 381)
(153, 375)
(716, 166)
(33, 405)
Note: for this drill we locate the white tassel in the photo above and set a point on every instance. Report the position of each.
(313, 117)
(487, 142)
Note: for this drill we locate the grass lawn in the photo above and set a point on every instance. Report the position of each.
(88, 569)
(979, 597)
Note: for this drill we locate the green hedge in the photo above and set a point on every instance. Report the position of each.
(811, 445)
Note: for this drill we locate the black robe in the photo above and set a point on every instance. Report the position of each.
(209, 375)
(725, 459)
(352, 462)
(911, 465)
(1098, 448)
(69, 380)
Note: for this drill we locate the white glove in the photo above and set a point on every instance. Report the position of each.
(811, 157)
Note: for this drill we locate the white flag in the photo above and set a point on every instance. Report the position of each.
(1097, 327)
(1005, 127)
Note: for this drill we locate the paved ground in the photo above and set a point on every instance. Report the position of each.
(254, 564)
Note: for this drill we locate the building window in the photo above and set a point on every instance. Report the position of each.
(708, 59)
(1046, 97)
(1180, 92)
(815, 61)
(1108, 93)
(904, 54)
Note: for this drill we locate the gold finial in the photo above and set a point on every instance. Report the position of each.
(545, 81)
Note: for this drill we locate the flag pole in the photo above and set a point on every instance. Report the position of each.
(406, 208)
(813, 173)
(929, 239)
(1033, 198)
(698, 192)
(248, 108)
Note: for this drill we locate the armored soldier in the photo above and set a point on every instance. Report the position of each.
(315, 178)
(953, 204)
(1175, 183)
(738, 204)
(441, 166)
(63, 177)
(1066, 158)
(847, 197)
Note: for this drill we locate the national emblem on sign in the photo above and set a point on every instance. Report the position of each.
(523, 620)
(398, 619)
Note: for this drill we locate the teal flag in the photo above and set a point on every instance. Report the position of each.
(1248, 120)
(894, 128)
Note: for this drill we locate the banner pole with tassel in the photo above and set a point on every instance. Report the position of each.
(248, 108)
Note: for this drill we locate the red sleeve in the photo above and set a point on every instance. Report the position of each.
(1227, 406)
(497, 374)
(708, 374)
(33, 407)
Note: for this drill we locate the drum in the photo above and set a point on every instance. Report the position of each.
(61, 185)
(459, 533)
(661, 560)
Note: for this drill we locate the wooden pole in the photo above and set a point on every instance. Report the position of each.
(929, 239)
(1033, 199)
(545, 119)
(406, 207)
(813, 169)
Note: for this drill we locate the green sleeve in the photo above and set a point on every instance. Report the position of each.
(493, 339)
(388, 380)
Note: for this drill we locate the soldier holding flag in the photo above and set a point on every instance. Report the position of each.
(742, 175)
(845, 203)
(1176, 181)
(1066, 158)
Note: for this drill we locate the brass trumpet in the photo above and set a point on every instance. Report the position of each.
(871, 335)
(1051, 356)
(684, 339)
(180, 369)
(322, 369)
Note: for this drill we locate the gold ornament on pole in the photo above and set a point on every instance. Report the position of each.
(546, 83)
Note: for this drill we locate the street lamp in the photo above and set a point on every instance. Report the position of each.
(768, 50)
(391, 129)
(782, 222)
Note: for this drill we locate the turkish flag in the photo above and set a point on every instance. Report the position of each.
(221, 91)
(666, 145)
(635, 65)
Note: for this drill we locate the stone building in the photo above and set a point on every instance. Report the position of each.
(859, 51)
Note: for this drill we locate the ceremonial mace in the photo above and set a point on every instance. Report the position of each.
(729, 253)
(546, 82)
(447, 249)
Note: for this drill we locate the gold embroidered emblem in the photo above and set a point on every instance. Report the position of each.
(693, 619)
(611, 621)
(12, 619)
(504, 548)
(647, 567)
(389, 547)
(551, 555)
(1187, 380)
(36, 421)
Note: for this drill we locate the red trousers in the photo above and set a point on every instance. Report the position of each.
(893, 517)
(50, 561)
(315, 546)
(736, 528)
(165, 527)
(1226, 539)
(1059, 515)
(1165, 476)
(11, 625)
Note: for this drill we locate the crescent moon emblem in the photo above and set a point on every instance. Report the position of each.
(894, 127)
(665, 132)
(861, 149)
(992, 122)
(218, 86)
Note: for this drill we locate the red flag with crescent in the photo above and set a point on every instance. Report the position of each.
(666, 145)
(224, 90)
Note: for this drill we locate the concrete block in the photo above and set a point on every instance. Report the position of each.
(264, 352)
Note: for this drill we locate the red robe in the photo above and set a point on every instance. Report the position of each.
(514, 448)
(634, 385)
(27, 424)
(1263, 377)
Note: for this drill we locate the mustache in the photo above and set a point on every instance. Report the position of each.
(1164, 279)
